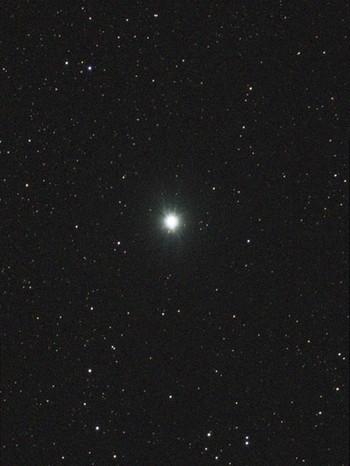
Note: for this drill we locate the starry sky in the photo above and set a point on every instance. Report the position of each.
(175, 233)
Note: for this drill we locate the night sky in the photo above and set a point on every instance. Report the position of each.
(174, 259)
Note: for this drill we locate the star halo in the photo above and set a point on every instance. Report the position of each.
(171, 221)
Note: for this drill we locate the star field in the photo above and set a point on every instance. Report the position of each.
(174, 233)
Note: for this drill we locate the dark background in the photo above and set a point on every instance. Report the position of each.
(226, 341)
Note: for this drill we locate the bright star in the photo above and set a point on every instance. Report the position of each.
(171, 221)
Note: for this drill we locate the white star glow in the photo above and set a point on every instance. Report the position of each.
(171, 221)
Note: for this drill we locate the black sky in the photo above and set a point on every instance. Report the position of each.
(224, 341)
